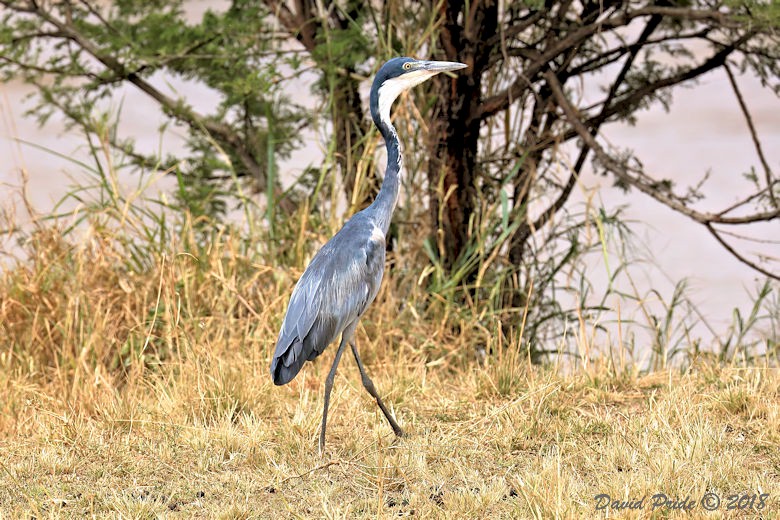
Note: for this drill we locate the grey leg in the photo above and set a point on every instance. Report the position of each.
(328, 388)
(369, 386)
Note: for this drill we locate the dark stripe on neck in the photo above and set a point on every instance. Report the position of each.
(385, 201)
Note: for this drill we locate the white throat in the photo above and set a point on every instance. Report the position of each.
(392, 88)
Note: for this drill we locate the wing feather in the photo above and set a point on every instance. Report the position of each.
(335, 290)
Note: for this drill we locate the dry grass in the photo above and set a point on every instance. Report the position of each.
(143, 396)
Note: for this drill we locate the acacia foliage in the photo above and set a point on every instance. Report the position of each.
(78, 55)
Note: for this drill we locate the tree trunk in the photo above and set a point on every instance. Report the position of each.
(455, 128)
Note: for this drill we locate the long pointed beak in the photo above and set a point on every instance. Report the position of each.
(442, 66)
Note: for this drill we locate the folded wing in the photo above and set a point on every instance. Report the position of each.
(335, 290)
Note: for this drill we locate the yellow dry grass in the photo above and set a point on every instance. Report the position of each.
(145, 396)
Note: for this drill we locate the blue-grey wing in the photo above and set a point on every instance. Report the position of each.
(336, 288)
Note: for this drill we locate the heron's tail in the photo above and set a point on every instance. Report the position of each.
(286, 365)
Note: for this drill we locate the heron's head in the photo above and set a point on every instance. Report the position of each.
(399, 75)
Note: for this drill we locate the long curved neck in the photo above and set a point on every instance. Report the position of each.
(382, 208)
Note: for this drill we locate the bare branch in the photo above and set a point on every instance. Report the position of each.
(556, 206)
(540, 60)
(631, 99)
(647, 186)
(644, 185)
(521, 25)
(742, 202)
(770, 182)
(737, 255)
(612, 55)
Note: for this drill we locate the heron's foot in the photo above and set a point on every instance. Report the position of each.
(397, 430)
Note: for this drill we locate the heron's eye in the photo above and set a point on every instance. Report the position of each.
(407, 65)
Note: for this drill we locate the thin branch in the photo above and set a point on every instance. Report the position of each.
(740, 203)
(737, 255)
(650, 27)
(649, 188)
(630, 99)
(522, 24)
(610, 56)
(186, 53)
(500, 101)
(754, 135)
(137, 158)
(749, 239)
(646, 186)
